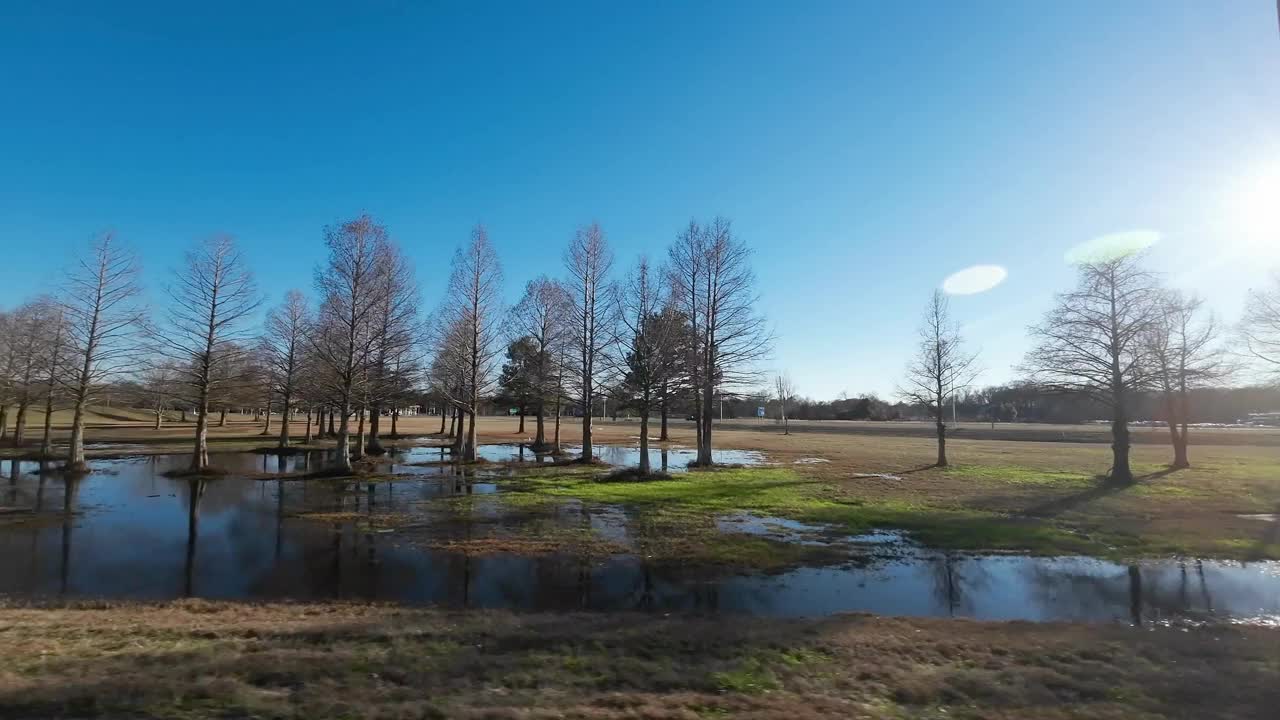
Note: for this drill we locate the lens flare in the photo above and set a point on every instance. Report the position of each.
(973, 280)
(1112, 247)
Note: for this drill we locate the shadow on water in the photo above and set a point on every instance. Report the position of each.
(127, 531)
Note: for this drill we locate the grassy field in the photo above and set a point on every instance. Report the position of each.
(196, 659)
(1045, 497)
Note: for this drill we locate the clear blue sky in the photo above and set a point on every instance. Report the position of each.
(864, 151)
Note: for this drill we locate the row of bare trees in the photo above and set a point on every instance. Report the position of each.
(1118, 334)
(685, 331)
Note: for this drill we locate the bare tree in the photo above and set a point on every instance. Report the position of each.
(211, 299)
(643, 333)
(30, 322)
(474, 309)
(348, 286)
(160, 387)
(54, 368)
(394, 337)
(591, 314)
(718, 293)
(284, 343)
(1091, 343)
(786, 390)
(941, 367)
(1261, 327)
(103, 318)
(8, 368)
(541, 316)
(1182, 345)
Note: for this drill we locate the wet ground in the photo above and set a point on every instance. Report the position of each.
(442, 535)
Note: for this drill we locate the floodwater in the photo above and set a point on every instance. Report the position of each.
(666, 459)
(126, 531)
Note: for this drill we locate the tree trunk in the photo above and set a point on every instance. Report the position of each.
(344, 436)
(266, 426)
(520, 431)
(644, 440)
(708, 404)
(540, 426)
(1120, 471)
(20, 425)
(184, 415)
(557, 440)
(222, 419)
(443, 415)
(307, 439)
(284, 421)
(942, 441)
(4, 420)
(374, 447)
(453, 422)
(395, 416)
(75, 449)
(458, 437)
(470, 451)
(360, 436)
(200, 453)
(663, 435)
(346, 409)
(46, 443)
(159, 419)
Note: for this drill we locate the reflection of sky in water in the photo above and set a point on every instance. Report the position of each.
(671, 459)
(131, 536)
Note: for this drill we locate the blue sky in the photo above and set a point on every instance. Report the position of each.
(865, 151)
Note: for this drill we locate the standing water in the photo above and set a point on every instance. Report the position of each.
(126, 531)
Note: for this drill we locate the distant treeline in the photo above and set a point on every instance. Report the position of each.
(1018, 403)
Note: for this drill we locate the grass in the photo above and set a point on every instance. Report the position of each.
(194, 659)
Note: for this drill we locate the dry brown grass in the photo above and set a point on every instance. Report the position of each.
(198, 659)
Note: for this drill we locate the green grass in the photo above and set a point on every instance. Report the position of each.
(784, 492)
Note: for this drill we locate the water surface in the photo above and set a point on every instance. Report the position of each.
(126, 531)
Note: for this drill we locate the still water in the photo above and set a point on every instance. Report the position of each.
(666, 459)
(126, 531)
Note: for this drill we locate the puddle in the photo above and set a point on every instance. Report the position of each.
(670, 459)
(127, 531)
(1263, 517)
(809, 461)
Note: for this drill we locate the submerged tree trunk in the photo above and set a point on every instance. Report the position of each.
(360, 434)
(470, 451)
(458, 437)
(374, 446)
(284, 421)
(46, 443)
(708, 403)
(200, 453)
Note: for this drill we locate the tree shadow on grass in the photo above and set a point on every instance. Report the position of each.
(1105, 487)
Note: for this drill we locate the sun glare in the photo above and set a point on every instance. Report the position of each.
(1255, 217)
